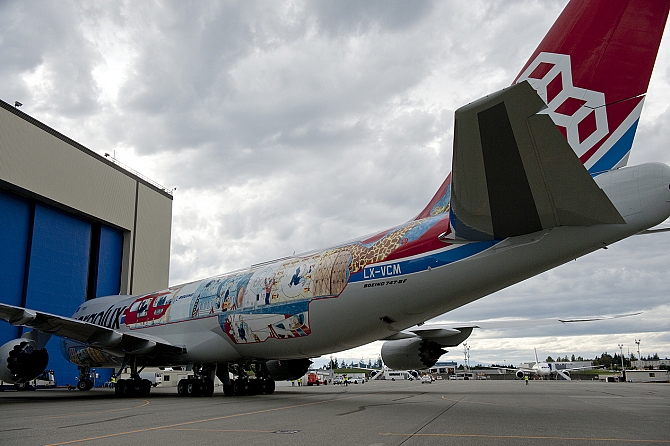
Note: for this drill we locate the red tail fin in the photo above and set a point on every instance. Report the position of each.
(592, 69)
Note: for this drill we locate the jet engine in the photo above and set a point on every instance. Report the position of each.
(283, 370)
(21, 361)
(409, 354)
(519, 374)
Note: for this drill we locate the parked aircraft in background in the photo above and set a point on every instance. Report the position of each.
(546, 370)
(538, 180)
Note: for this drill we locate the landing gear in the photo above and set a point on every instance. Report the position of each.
(132, 387)
(195, 387)
(85, 383)
(259, 383)
(135, 386)
(20, 387)
(202, 384)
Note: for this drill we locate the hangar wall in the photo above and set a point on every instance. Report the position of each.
(73, 226)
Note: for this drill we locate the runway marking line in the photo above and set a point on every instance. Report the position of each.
(191, 429)
(186, 423)
(470, 402)
(146, 403)
(525, 437)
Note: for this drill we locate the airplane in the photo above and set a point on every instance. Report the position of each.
(539, 178)
(545, 370)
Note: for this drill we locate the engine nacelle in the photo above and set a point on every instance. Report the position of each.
(21, 362)
(285, 370)
(407, 354)
(519, 374)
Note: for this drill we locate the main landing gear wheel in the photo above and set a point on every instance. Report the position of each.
(85, 384)
(132, 387)
(195, 387)
(269, 386)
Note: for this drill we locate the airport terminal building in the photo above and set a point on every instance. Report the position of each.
(74, 226)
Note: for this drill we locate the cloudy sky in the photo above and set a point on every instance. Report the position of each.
(286, 126)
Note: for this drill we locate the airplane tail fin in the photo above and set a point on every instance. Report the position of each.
(592, 70)
(537, 361)
(523, 157)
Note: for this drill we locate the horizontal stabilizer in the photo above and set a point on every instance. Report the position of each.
(514, 173)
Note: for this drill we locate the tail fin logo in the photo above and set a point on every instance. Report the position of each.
(580, 114)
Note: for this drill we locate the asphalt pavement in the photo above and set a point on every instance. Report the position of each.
(374, 413)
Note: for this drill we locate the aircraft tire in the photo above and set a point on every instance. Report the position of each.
(228, 390)
(128, 388)
(269, 386)
(254, 387)
(120, 387)
(85, 384)
(191, 387)
(239, 388)
(208, 388)
(146, 387)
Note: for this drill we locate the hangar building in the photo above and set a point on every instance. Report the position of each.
(74, 226)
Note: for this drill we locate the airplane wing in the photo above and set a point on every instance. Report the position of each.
(446, 334)
(85, 332)
(572, 369)
(515, 323)
(514, 369)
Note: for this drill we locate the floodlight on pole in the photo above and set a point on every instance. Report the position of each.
(639, 357)
(621, 350)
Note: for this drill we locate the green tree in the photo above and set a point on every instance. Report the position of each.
(605, 360)
(549, 359)
(572, 358)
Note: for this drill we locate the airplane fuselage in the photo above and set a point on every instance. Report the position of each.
(357, 292)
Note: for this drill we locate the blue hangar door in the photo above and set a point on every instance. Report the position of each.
(53, 261)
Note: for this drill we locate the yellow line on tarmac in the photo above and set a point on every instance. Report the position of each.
(146, 403)
(223, 417)
(526, 437)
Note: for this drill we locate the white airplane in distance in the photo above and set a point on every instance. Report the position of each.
(539, 178)
(546, 370)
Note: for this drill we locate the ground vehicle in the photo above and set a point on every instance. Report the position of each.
(426, 379)
(338, 380)
(313, 380)
(156, 378)
(394, 375)
(462, 376)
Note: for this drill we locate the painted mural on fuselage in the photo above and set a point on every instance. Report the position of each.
(272, 300)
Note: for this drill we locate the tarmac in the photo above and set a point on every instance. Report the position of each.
(374, 413)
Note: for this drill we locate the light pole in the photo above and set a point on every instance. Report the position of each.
(639, 358)
(466, 355)
(621, 350)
